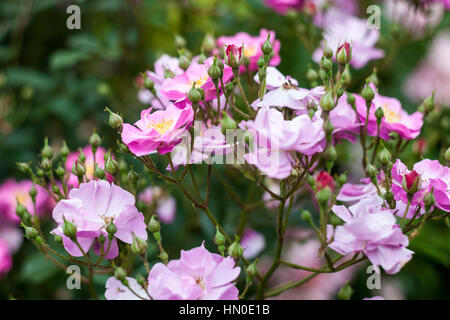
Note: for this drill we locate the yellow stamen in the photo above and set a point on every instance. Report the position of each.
(161, 126)
(250, 51)
(390, 115)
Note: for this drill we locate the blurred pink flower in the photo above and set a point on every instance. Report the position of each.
(177, 88)
(252, 46)
(91, 207)
(5, 258)
(346, 28)
(253, 243)
(282, 6)
(158, 131)
(371, 229)
(89, 164)
(344, 120)
(395, 118)
(165, 204)
(430, 174)
(12, 191)
(197, 275)
(115, 290)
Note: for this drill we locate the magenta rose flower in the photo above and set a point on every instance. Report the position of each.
(428, 175)
(89, 164)
(159, 131)
(5, 258)
(282, 6)
(12, 191)
(344, 120)
(252, 46)
(197, 275)
(253, 243)
(177, 88)
(91, 208)
(395, 118)
(371, 229)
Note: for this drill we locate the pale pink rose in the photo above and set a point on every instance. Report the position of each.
(253, 243)
(91, 207)
(197, 275)
(371, 229)
(159, 131)
(283, 6)
(344, 120)
(252, 46)
(165, 204)
(115, 290)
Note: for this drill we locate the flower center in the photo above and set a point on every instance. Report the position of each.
(161, 126)
(390, 115)
(199, 280)
(199, 81)
(22, 198)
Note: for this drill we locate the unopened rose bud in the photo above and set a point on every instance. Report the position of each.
(344, 54)
(120, 274)
(33, 192)
(101, 238)
(306, 216)
(384, 156)
(111, 165)
(58, 238)
(323, 196)
(341, 179)
(194, 95)
(214, 72)
(328, 52)
(351, 99)
(133, 176)
(47, 151)
(164, 257)
(368, 93)
(330, 153)
(95, 140)
(111, 229)
(60, 172)
(371, 171)
(326, 64)
(235, 250)
(227, 123)
(428, 103)
(220, 240)
(78, 169)
(23, 167)
(46, 164)
(447, 155)
(260, 63)
(30, 232)
(64, 150)
(345, 293)
(311, 75)
(266, 47)
(183, 62)
(411, 182)
(154, 225)
(379, 114)
(388, 196)
(252, 269)
(209, 43)
(233, 56)
(70, 230)
(179, 42)
(141, 280)
(328, 127)
(327, 102)
(99, 172)
(139, 246)
(115, 120)
(429, 200)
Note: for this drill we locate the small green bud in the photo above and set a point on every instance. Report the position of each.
(323, 196)
(133, 176)
(209, 43)
(379, 114)
(179, 42)
(368, 93)
(23, 167)
(328, 127)
(227, 123)
(154, 225)
(330, 153)
(64, 150)
(99, 172)
(306, 216)
(139, 246)
(120, 274)
(229, 88)
(311, 75)
(447, 155)
(214, 72)
(47, 151)
(326, 64)
(30, 232)
(101, 239)
(311, 181)
(344, 54)
(111, 165)
(60, 172)
(33, 192)
(58, 238)
(428, 103)
(351, 99)
(341, 179)
(95, 140)
(327, 102)
(388, 196)
(219, 238)
(70, 230)
(252, 269)
(141, 280)
(261, 63)
(114, 120)
(266, 47)
(79, 170)
(111, 229)
(384, 156)
(164, 257)
(148, 83)
(371, 171)
(46, 164)
(194, 95)
(328, 52)
(183, 62)
(345, 293)
(235, 250)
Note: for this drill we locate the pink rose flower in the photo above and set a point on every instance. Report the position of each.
(91, 207)
(12, 191)
(5, 258)
(346, 28)
(283, 92)
(89, 164)
(282, 6)
(253, 243)
(395, 118)
(115, 290)
(159, 131)
(371, 229)
(197, 275)
(252, 46)
(344, 120)
(165, 204)
(431, 175)
(275, 138)
(177, 88)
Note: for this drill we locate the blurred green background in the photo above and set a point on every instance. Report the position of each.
(56, 82)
